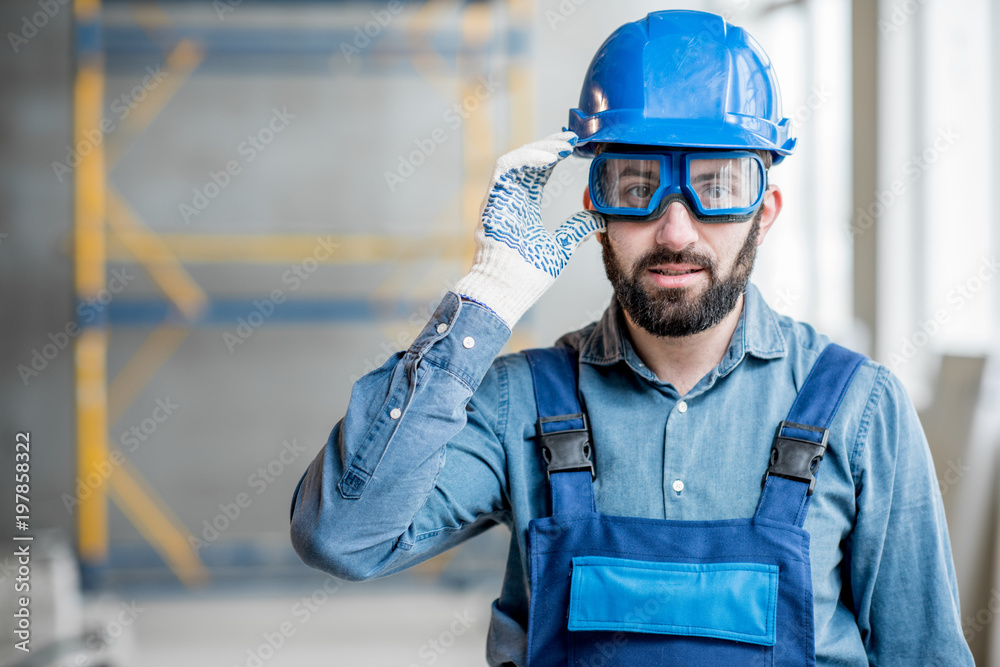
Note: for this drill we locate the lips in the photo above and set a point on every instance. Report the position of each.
(675, 269)
(671, 276)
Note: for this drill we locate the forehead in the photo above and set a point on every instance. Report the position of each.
(644, 163)
(764, 155)
(640, 148)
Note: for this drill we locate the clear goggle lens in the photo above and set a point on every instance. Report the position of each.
(725, 184)
(626, 183)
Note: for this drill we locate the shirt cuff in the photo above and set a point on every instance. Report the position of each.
(463, 338)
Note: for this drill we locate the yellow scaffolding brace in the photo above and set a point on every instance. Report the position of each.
(163, 257)
(90, 202)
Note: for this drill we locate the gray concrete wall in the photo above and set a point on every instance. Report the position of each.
(323, 174)
(35, 274)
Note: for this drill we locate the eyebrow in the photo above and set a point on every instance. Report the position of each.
(632, 171)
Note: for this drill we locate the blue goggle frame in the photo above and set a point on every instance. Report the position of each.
(676, 188)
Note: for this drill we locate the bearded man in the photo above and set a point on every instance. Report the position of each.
(693, 479)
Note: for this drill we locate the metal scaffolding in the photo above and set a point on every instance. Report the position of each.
(108, 229)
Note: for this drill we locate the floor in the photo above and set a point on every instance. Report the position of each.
(328, 625)
(436, 613)
(332, 624)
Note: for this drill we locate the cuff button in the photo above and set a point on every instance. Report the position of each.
(441, 328)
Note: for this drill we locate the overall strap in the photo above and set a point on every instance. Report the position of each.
(800, 442)
(562, 430)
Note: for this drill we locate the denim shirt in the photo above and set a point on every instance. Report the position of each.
(436, 447)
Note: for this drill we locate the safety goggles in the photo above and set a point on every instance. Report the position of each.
(715, 186)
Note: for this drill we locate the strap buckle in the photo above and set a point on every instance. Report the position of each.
(795, 458)
(569, 450)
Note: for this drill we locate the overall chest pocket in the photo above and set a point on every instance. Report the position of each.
(631, 612)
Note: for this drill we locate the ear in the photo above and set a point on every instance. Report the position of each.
(589, 205)
(772, 207)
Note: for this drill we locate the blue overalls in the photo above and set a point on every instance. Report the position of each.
(615, 590)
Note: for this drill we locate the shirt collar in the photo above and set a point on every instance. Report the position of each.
(757, 333)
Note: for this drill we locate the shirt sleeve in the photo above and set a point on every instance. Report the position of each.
(902, 578)
(415, 466)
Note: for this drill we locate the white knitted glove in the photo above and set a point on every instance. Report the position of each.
(517, 259)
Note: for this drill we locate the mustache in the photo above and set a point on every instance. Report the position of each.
(666, 256)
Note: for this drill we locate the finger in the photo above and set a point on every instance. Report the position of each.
(559, 144)
(556, 146)
(566, 135)
(578, 229)
(527, 157)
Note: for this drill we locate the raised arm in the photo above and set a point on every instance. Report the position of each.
(417, 464)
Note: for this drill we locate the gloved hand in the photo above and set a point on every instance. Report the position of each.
(516, 258)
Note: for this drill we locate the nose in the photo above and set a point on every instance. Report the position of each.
(676, 228)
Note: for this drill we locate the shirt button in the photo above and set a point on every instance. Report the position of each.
(441, 328)
(395, 413)
(678, 485)
(468, 342)
(682, 407)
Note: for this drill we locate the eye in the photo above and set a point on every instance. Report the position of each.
(716, 191)
(639, 191)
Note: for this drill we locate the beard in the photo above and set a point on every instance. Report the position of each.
(672, 312)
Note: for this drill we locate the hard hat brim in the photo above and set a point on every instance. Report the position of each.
(627, 126)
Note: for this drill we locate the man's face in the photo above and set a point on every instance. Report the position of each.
(676, 276)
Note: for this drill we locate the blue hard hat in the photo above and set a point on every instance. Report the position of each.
(685, 79)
